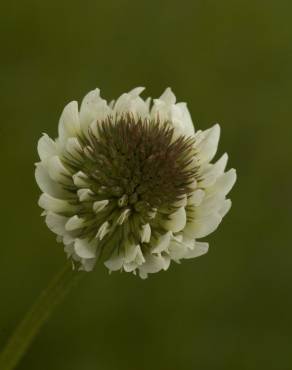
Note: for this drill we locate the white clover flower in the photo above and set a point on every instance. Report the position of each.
(131, 182)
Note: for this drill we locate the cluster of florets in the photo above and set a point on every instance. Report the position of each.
(132, 183)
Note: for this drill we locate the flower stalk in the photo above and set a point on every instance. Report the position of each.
(39, 313)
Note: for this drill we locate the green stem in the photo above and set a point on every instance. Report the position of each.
(28, 328)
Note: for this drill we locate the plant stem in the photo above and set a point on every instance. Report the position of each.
(29, 327)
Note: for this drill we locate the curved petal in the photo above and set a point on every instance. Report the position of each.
(74, 148)
(131, 251)
(196, 197)
(80, 179)
(211, 172)
(208, 143)
(115, 262)
(93, 108)
(84, 194)
(165, 109)
(103, 230)
(177, 249)
(57, 170)
(46, 184)
(69, 125)
(74, 222)
(224, 183)
(162, 243)
(199, 249)
(99, 205)
(50, 203)
(162, 106)
(187, 119)
(136, 262)
(210, 204)
(46, 147)
(85, 249)
(139, 256)
(202, 227)
(154, 263)
(131, 103)
(168, 96)
(225, 207)
(145, 233)
(177, 220)
(56, 223)
(182, 118)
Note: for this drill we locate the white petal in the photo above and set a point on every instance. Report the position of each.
(93, 108)
(103, 230)
(181, 119)
(202, 227)
(99, 205)
(85, 249)
(93, 128)
(139, 256)
(162, 243)
(165, 109)
(145, 233)
(115, 262)
(168, 96)
(177, 220)
(177, 249)
(131, 251)
(196, 197)
(57, 171)
(134, 262)
(207, 148)
(123, 216)
(132, 103)
(136, 91)
(56, 223)
(80, 179)
(211, 172)
(46, 147)
(225, 207)
(84, 194)
(148, 102)
(210, 204)
(186, 118)
(199, 249)
(69, 125)
(46, 184)
(74, 222)
(55, 205)
(160, 110)
(224, 183)
(130, 267)
(163, 105)
(74, 148)
(154, 264)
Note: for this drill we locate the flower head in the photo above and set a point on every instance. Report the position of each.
(131, 183)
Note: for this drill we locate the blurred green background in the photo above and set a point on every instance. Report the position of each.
(232, 62)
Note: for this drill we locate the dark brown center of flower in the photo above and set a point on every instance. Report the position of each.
(141, 161)
(139, 167)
